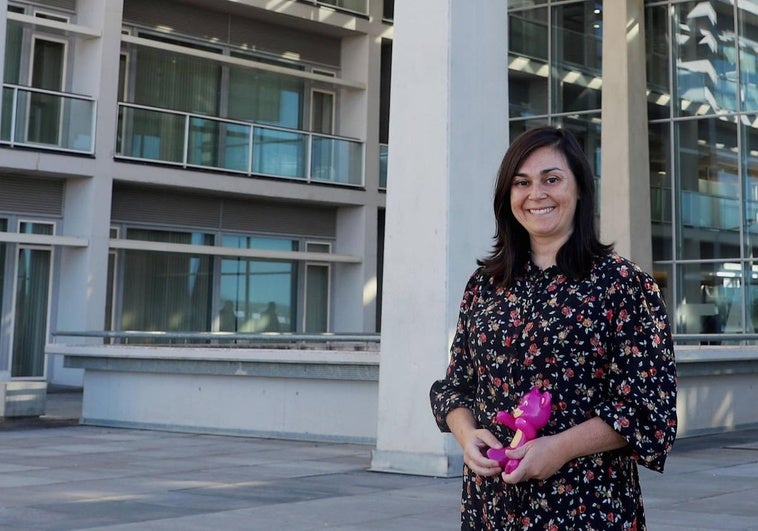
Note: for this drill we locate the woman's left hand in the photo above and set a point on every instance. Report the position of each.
(540, 458)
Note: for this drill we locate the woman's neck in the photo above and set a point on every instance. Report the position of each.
(544, 254)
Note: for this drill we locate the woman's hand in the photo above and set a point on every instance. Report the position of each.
(474, 441)
(475, 444)
(544, 456)
(540, 458)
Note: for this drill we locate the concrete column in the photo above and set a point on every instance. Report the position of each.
(84, 272)
(625, 171)
(448, 133)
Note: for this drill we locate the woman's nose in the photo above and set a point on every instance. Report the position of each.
(537, 191)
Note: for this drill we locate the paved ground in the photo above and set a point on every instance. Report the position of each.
(57, 475)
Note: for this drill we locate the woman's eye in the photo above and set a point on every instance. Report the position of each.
(520, 183)
(552, 180)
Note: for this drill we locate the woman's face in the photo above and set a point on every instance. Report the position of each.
(544, 194)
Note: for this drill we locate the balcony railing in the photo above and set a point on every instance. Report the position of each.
(47, 119)
(354, 6)
(192, 140)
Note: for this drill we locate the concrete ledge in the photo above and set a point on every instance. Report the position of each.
(22, 399)
(301, 395)
(717, 389)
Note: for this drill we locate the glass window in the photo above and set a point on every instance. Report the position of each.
(749, 130)
(322, 112)
(577, 51)
(748, 41)
(710, 298)
(659, 145)
(708, 189)
(657, 48)
(176, 81)
(705, 57)
(166, 291)
(316, 298)
(528, 63)
(265, 97)
(261, 294)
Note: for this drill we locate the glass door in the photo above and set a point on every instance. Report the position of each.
(31, 305)
(48, 67)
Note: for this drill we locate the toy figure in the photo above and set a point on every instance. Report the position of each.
(532, 414)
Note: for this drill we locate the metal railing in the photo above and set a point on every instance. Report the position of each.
(229, 339)
(354, 6)
(198, 141)
(47, 119)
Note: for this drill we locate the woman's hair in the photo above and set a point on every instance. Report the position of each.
(511, 248)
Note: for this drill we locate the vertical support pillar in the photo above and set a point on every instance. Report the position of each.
(625, 168)
(84, 272)
(448, 133)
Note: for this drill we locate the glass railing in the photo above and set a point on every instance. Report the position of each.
(191, 140)
(356, 6)
(383, 153)
(47, 119)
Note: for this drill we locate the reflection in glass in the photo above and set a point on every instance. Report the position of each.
(528, 62)
(335, 160)
(705, 57)
(708, 189)
(577, 56)
(217, 144)
(261, 293)
(747, 19)
(280, 153)
(659, 146)
(749, 130)
(153, 135)
(710, 298)
(657, 61)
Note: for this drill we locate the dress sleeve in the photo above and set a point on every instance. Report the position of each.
(640, 375)
(458, 388)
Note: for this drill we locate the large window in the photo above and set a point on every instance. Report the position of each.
(262, 293)
(156, 289)
(166, 291)
(554, 69)
(703, 164)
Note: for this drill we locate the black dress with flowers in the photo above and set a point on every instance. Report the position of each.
(602, 347)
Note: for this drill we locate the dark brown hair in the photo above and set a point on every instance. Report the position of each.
(511, 249)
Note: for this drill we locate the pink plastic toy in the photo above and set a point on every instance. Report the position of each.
(532, 414)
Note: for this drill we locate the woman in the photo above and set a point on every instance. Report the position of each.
(553, 308)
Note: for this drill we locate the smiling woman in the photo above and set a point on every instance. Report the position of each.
(543, 200)
(555, 310)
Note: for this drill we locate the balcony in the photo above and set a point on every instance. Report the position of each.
(47, 119)
(197, 141)
(354, 6)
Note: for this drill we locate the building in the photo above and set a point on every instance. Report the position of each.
(189, 167)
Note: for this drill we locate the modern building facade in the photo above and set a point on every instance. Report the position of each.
(185, 168)
(189, 166)
(700, 66)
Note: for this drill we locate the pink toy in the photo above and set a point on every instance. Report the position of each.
(532, 414)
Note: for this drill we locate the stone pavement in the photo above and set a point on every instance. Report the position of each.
(57, 475)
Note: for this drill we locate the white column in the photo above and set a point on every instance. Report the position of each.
(83, 272)
(448, 133)
(625, 172)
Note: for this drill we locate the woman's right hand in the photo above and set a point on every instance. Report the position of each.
(474, 441)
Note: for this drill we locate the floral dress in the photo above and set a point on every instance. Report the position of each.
(602, 347)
